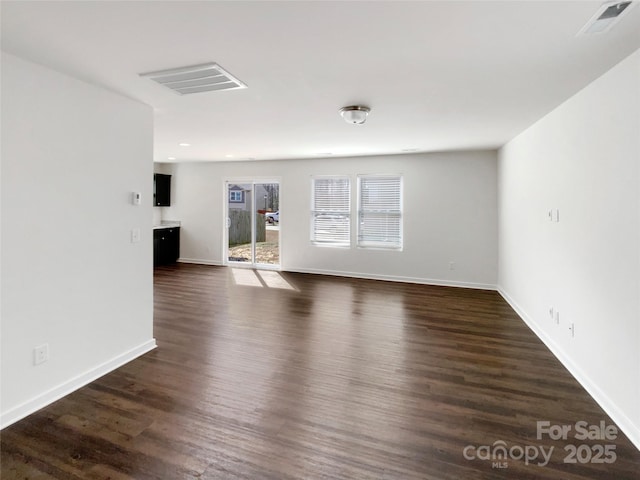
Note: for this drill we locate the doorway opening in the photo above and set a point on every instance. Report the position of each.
(253, 223)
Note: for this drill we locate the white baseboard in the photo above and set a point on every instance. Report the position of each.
(631, 430)
(393, 278)
(366, 276)
(199, 261)
(56, 393)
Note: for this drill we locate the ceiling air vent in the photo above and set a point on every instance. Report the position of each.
(196, 79)
(606, 17)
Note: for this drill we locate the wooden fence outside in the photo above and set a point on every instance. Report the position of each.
(240, 227)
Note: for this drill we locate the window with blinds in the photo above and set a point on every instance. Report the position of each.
(380, 211)
(331, 211)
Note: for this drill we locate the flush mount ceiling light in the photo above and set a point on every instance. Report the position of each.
(606, 17)
(196, 79)
(355, 114)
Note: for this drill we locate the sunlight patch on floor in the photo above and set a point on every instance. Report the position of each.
(274, 280)
(245, 277)
(260, 278)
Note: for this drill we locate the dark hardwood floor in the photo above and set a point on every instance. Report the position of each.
(311, 377)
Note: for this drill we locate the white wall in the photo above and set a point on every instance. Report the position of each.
(583, 159)
(450, 215)
(72, 154)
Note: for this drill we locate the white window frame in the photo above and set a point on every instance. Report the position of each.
(232, 194)
(346, 243)
(364, 243)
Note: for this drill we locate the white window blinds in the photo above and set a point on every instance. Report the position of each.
(331, 211)
(380, 211)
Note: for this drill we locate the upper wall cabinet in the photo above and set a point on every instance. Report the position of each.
(161, 190)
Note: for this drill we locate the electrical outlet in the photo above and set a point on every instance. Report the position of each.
(557, 317)
(452, 265)
(551, 313)
(572, 330)
(41, 354)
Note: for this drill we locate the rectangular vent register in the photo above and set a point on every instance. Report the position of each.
(206, 77)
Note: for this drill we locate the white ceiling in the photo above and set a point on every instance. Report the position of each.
(437, 75)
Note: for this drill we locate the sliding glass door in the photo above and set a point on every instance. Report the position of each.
(253, 223)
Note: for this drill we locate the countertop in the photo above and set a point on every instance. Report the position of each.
(167, 224)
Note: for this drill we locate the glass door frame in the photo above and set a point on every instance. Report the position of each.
(253, 181)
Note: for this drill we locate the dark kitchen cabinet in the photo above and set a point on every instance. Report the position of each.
(161, 190)
(166, 245)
